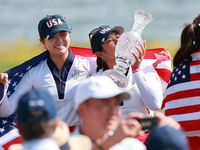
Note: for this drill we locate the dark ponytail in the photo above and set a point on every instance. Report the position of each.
(190, 41)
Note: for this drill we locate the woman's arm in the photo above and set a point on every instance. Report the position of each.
(150, 87)
(9, 105)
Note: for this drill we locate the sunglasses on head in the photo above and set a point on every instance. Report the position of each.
(94, 31)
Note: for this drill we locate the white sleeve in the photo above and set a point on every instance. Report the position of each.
(150, 87)
(93, 65)
(9, 105)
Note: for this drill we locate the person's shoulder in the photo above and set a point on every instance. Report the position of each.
(86, 62)
(129, 143)
(100, 72)
(40, 65)
(82, 58)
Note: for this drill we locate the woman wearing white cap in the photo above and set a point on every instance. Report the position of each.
(58, 72)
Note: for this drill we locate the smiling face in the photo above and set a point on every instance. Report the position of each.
(101, 115)
(108, 47)
(58, 45)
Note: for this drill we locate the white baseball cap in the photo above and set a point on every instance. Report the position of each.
(99, 87)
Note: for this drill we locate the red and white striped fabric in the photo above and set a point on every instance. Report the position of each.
(163, 69)
(182, 97)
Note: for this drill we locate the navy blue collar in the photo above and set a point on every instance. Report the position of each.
(61, 79)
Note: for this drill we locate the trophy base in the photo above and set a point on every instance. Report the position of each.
(120, 79)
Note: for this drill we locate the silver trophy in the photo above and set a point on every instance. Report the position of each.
(126, 46)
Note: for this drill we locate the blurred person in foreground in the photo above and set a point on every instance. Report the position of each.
(182, 96)
(37, 120)
(40, 127)
(97, 101)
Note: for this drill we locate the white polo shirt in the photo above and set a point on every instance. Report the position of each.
(46, 75)
(147, 91)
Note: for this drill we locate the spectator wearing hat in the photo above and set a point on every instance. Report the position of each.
(36, 120)
(97, 101)
(165, 138)
(40, 127)
(57, 70)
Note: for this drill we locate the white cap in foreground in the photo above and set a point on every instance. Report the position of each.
(98, 87)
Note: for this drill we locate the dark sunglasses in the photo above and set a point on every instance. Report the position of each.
(94, 31)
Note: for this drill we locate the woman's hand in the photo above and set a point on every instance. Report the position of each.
(4, 78)
(162, 56)
(138, 59)
(167, 121)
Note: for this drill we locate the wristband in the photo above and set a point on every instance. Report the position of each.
(135, 68)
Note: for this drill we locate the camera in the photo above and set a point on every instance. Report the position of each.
(148, 123)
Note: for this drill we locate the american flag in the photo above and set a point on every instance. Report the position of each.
(9, 133)
(182, 96)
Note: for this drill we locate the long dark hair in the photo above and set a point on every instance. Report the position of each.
(100, 63)
(190, 41)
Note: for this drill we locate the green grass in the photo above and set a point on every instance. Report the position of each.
(19, 51)
(13, 54)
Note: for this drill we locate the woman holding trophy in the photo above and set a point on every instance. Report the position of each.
(143, 80)
(114, 55)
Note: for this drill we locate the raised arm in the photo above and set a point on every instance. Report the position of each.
(147, 81)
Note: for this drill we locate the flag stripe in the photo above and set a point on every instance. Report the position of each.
(197, 51)
(182, 94)
(195, 76)
(194, 63)
(190, 125)
(182, 87)
(17, 140)
(9, 136)
(164, 73)
(181, 103)
(183, 110)
(171, 91)
(186, 117)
